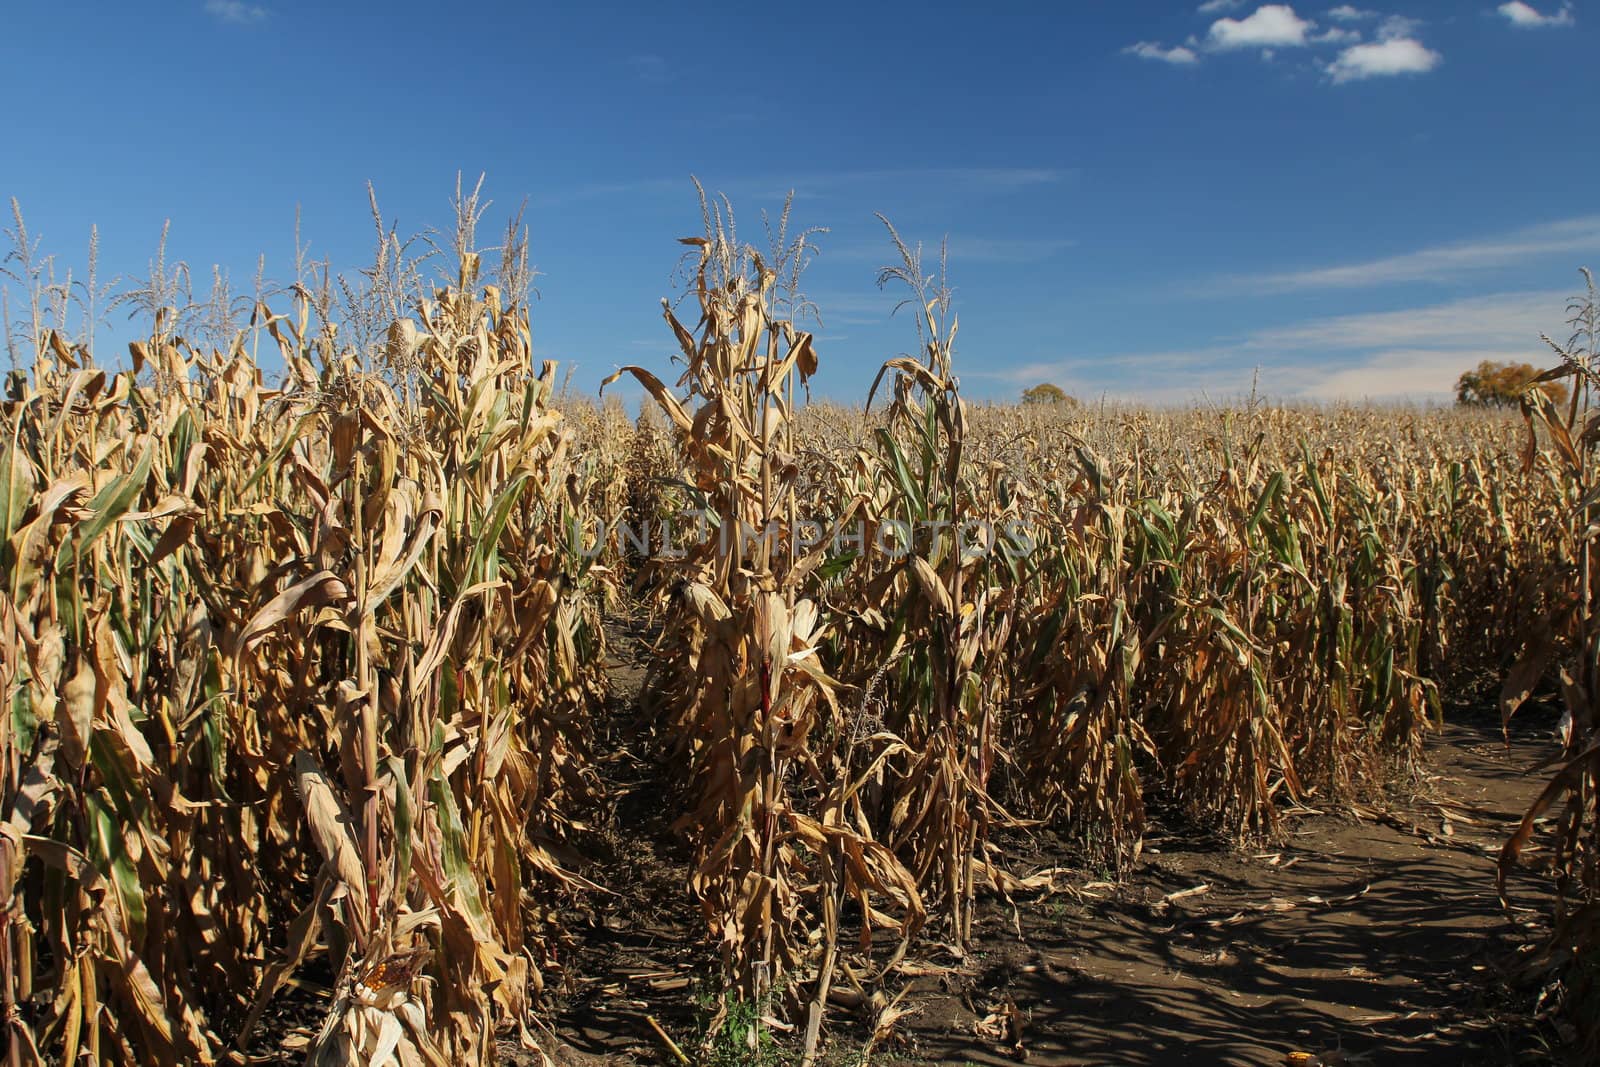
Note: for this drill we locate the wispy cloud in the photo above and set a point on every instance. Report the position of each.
(988, 177)
(235, 11)
(964, 249)
(1383, 59)
(1529, 17)
(1394, 375)
(1347, 13)
(775, 187)
(1336, 35)
(854, 307)
(1178, 54)
(651, 69)
(1393, 26)
(1415, 353)
(1212, 7)
(1007, 250)
(1436, 264)
(1499, 320)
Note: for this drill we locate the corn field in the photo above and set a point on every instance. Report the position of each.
(309, 675)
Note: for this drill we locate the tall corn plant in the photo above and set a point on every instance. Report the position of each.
(1246, 632)
(746, 703)
(1570, 643)
(945, 616)
(288, 668)
(1078, 738)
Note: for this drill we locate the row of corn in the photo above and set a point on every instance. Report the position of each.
(303, 683)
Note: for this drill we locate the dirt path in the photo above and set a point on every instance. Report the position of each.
(1380, 939)
(1377, 939)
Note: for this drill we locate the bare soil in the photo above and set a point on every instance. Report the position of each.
(1373, 937)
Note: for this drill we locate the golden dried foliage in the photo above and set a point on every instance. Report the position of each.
(286, 671)
(311, 674)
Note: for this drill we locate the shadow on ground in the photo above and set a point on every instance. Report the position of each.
(1378, 938)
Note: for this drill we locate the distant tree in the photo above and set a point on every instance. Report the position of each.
(1501, 385)
(1045, 393)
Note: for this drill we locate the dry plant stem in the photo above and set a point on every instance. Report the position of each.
(215, 594)
(311, 668)
(1569, 639)
(671, 1045)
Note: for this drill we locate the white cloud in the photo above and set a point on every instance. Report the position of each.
(1498, 320)
(1396, 375)
(1385, 59)
(1272, 26)
(1414, 353)
(1394, 26)
(1440, 263)
(1528, 17)
(969, 249)
(1411, 354)
(1151, 50)
(236, 11)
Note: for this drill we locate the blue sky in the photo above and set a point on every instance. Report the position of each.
(1144, 200)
